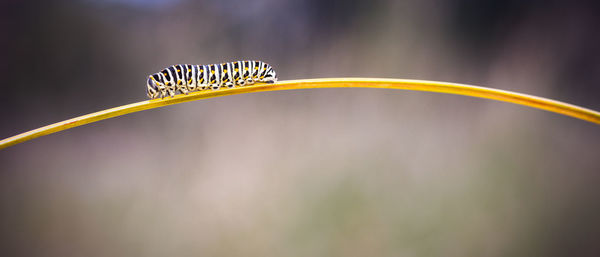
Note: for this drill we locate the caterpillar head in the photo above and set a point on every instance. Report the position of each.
(270, 76)
(152, 88)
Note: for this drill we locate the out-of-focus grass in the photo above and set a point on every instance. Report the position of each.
(418, 85)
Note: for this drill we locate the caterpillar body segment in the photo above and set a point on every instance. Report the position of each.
(201, 77)
(185, 78)
(226, 77)
(191, 77)
(214, 79)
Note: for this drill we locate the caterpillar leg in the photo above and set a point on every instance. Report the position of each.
(192, 86)
(184, 90)
(162, 90)
(181, 87)
(240, 82)
(229, 84)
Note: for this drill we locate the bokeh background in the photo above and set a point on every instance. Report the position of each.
(330, 172)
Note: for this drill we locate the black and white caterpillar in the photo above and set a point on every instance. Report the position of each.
(187, 78)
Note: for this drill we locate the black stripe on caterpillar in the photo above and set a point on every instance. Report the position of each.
(185, 78)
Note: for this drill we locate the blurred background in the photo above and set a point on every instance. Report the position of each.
(329, 172)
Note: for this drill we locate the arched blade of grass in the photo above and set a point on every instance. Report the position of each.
(417, 85)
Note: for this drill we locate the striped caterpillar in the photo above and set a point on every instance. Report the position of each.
(187, 78)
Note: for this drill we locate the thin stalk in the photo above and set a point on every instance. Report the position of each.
(417, 85)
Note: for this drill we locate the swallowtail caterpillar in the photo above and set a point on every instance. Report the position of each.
(187, 78)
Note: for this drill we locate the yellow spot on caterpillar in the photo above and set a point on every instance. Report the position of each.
(178, 70)
(179, 82)
(166, 74)
(224, 71)
(190, 81)
(189, 70)
(201, 70)
(237, 69)
(256, 68)
(245, 68)
(212, 72)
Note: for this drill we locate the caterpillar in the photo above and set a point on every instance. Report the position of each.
(187, 78)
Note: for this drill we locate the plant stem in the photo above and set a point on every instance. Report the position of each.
(417, 85)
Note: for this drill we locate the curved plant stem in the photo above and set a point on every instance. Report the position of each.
(418, 85)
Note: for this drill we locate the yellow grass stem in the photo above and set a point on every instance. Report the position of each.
(418, 85)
